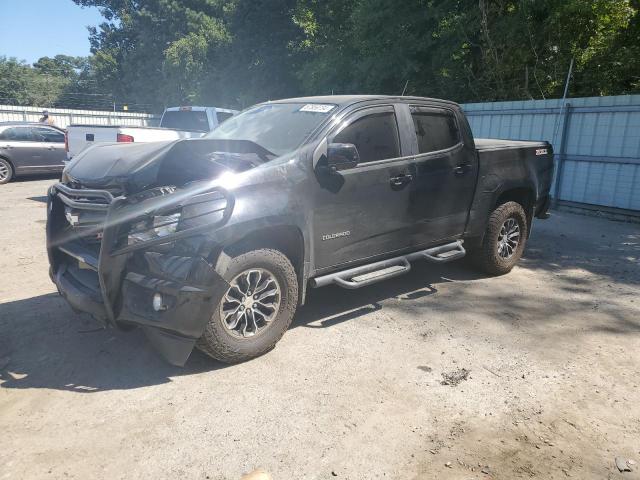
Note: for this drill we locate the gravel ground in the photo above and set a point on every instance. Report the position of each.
(442, 373)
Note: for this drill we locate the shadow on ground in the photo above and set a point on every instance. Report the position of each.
(44, 345)
(49, 346)
(567, 242)
(33, 178)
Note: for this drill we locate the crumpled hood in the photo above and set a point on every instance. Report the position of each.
(113, 160)
(133, 167)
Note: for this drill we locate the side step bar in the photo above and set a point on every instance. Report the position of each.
(375, 272)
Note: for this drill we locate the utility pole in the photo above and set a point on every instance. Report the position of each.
(563, 140)
(566, 85)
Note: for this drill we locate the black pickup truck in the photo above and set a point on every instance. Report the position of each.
(214, 242)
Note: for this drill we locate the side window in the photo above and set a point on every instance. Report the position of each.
(222, 116)
(435, 131)
(44, 134)
(18, 134)
(375, 136)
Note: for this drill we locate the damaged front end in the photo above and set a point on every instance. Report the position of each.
(138, 252)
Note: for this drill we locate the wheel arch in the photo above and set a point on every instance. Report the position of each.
(287, 239)
(11, 164)
(524, 196)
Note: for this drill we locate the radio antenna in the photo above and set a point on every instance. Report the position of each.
(405, 88)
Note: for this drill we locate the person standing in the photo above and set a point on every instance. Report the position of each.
(46, 118)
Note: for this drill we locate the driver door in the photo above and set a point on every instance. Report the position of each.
(362, 212)
(22, 148)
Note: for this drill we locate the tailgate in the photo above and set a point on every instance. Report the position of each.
(82, 136)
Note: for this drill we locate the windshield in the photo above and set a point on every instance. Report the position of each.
(277, 127)
(186, 120)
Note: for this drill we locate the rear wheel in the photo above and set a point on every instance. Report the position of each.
(256, 309)
(504, 240)
(6, 171)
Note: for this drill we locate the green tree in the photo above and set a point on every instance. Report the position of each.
(60, 65)
(236, 52)
(156, 52)
(471, 50)
(20, 84)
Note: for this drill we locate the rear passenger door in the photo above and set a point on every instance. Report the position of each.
(361, 212)
(445, 175)
(53, 152)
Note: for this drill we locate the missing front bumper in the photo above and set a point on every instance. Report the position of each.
(118, 288)
(174, 330)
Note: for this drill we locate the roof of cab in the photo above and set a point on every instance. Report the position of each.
(344, 100)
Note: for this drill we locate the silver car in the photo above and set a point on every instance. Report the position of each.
(30, 148)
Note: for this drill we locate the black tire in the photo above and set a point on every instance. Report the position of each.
(219, 343)
(488, 257)
(5, 166)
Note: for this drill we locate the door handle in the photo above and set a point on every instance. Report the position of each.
(400, 180)
(461, 169)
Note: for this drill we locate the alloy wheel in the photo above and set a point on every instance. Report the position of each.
(508, 238)
(251, 303)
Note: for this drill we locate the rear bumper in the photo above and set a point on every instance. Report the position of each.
(119, 290)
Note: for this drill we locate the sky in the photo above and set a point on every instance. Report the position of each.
(30, 29)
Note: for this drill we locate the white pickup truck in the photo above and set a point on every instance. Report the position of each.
(176, 123)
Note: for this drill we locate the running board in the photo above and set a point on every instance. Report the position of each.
(364, 275)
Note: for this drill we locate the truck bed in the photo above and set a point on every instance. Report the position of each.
(89, 125)
(81, 136)
(508, 164)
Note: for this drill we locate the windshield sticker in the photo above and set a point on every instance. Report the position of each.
(317, 108)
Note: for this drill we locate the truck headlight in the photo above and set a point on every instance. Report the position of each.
(157, 227)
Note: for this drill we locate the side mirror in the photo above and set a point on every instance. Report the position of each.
(341, 156)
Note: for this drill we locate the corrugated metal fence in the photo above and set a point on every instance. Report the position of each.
(596, 142)
(63, 117)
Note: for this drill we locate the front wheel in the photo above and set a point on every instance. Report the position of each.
(255, 310)
(504, 239)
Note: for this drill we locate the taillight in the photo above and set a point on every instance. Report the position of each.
(66, 141)
(125, 138)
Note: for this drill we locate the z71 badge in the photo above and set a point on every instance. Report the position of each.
(541, 151)
(331, 236)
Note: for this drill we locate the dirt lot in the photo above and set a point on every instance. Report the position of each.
(354, 390)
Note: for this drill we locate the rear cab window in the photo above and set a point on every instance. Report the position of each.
(436, 129)
(188, 120)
